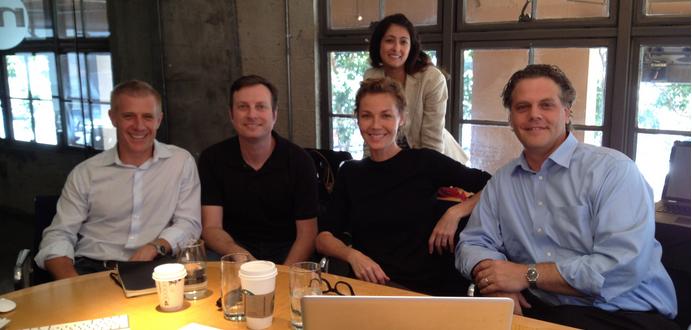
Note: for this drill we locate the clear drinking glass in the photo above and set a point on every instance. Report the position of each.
(194, 258)
(231, 292)
(304, 280)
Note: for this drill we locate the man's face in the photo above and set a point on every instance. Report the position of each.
(136, 120)
(252, 115)
(537, 116)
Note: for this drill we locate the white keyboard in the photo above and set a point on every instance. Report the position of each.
(117, 322)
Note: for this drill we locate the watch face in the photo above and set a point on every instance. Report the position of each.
(532, 275)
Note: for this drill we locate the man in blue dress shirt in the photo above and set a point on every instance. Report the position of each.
(567, 229)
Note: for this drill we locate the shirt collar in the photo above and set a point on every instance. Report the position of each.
(561, 156)
(110, 156)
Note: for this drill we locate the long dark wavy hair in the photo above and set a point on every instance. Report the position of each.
(417, 59)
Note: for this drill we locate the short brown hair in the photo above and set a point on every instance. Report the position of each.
(135, 88)
(382, 86)
(252, 80)
(567, 92)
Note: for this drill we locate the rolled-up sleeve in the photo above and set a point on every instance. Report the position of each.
(481, 238)
(60, 237)
(186, 223)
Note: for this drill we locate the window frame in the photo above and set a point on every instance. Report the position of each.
(462, 26)
(457, 117)
(78, 45)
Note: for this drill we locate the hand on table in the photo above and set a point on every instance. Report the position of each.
(145, 253)
(366, 269)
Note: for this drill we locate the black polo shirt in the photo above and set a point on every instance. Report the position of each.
(260, 207)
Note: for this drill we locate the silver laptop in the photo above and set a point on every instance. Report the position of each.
(675, 200)
(402, 313)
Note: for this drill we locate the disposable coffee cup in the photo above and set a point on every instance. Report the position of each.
(170, 286)
(258, 280)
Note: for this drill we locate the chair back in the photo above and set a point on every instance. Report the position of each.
(27, 272)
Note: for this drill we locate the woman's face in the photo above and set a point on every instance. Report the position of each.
(379, 120)
(395, 46)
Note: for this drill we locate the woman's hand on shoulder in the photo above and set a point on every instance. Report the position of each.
(365, 268)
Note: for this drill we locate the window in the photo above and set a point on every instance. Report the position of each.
(489, 11)
(59, 78)
(598, 43)
(663, 108)
(484, 118)
(354, 14)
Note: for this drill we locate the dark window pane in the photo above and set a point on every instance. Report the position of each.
(346, 136)
(40, 19)
(47, 121)
(95, 19)
(100, 76)
(21, 121)
(2, 122)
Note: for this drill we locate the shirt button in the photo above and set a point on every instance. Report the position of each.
(540, 203)
(540, 177)
(548, 254)
(539, 230)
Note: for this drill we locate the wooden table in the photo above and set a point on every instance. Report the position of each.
(96, 296)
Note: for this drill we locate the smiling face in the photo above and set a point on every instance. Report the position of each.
(379, 120)
(136, 119)
(538, 117)
(395, 47)
(252, 115)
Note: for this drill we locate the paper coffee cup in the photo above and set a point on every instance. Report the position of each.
(170, 286)
(258, 280)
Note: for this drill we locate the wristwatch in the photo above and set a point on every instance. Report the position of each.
(160, 249)
(532, 276)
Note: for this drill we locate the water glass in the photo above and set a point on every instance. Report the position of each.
(192, 255)
(304, 280)
(231, 293)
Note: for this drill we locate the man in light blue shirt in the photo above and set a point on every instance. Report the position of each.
(567, 229)
(135, 201)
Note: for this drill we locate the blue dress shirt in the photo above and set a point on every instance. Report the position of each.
(588, 210)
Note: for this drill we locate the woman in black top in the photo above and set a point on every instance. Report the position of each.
(387, 202)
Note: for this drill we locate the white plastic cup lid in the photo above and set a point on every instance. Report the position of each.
(169, 272)
(258, 269)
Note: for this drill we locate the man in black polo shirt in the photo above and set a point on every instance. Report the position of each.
(259, 191)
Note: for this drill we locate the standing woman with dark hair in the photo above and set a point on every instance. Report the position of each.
(395, 52)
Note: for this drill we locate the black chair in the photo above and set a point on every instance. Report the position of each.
(26, 272)
(327, 163)
(675, 241)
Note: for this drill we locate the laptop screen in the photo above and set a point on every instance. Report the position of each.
(677, 186)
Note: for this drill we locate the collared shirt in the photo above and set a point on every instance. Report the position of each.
(108, 210)
(588, 210)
